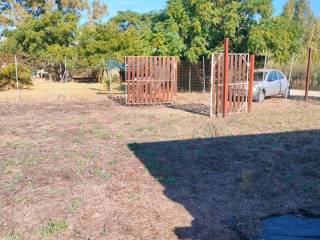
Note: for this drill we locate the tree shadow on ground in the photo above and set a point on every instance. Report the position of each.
(228, 183)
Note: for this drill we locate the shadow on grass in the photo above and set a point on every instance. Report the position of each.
(228, 183)
(196, 108)
(297, 97)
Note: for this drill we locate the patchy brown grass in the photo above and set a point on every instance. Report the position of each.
(83, 167)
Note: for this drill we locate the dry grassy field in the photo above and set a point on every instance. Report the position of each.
(76, 165)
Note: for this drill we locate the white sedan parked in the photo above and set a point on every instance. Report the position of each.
(270, 82)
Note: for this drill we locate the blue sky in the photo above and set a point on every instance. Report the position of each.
(148, 5)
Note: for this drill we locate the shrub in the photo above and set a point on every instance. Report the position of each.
(115, 80)
(8, 77)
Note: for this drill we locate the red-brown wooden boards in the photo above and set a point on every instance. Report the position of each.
(230, 83)
(150, 80)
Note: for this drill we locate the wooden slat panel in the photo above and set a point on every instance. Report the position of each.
(142, 80)
(163, 97)
(230, 84)
(164, 79)
(130, 80)
(150, 80)
(167, 77)
(145, 75)
(244, 68)
(236, 85)
(157, 87)
(160, 59)
(171, 79)
(234, 91)
(153, 70)
(221, 86)
(136, 92)
(218, 86)
(154, 80)
(162, 82)
(239, 84)
(213, 89)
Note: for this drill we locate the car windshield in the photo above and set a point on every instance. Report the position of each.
(259, 76)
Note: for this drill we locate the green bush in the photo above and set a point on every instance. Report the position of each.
(8, 77)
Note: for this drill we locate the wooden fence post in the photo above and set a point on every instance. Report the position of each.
(226, 77)
(308, 75)
(16, 69)
(189, 77)
(211, 87)
(251, 78)
(204, 74)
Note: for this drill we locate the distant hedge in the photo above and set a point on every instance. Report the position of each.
(8, 77)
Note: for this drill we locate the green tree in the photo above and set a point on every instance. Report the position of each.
(16, 12)
(279, 37)
(128, 33)
(45, 40)
(202, 25)
(287, 34)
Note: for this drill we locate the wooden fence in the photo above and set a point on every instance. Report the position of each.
(150, 80)
(231, 82)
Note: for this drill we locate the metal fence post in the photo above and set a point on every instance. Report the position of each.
(16, 69)
(189, 77)
(204, 74)
(226, 77)
(308, 75)
(211, 87)
(251, 78)
(110, 82)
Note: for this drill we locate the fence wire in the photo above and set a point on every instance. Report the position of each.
(296, 72)
(194, 77)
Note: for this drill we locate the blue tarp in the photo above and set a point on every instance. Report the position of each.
(291, 227)
(113, 64)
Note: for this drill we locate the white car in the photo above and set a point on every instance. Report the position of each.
(270, 82)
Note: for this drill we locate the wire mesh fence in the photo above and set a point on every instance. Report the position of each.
(194, 77)
(296, 72)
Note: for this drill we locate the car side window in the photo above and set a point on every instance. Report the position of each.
(280, 75)
(273, 76)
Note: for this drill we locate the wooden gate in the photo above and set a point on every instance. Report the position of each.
(237, 83)
(231, 82)
(151, 80)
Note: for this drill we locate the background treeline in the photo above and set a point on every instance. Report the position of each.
(50, 34)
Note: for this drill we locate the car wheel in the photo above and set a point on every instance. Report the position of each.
(261, 97)
(286, 94)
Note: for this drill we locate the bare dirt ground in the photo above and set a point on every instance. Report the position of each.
(76, 165)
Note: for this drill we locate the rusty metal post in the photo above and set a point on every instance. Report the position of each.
(251, 78)
(226, 77)
(211, 86)
(308, 75)
(189, 77)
